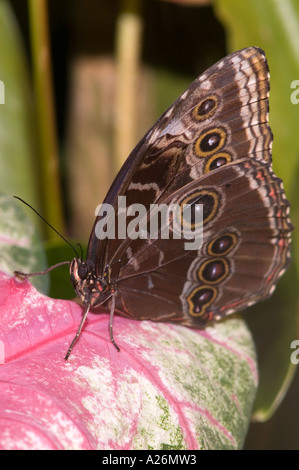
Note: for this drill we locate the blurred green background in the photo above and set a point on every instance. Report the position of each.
(88, 78)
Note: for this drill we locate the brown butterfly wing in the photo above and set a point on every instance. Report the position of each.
(212, 146)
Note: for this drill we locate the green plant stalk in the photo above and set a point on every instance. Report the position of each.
(49, 183)
(128, 49)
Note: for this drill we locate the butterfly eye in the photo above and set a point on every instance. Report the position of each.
(209, 142)
(210, 200)
(82, 270)
(205, 108)
(217, 160)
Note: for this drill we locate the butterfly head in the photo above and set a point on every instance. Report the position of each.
(89, 287)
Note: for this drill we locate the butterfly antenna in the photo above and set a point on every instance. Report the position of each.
(51, 226)
(79, 246)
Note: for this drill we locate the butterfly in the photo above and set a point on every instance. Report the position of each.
(210, 149)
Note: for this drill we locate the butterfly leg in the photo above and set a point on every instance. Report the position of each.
(78, 333)
(111, 322)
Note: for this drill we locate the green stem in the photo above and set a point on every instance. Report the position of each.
(49, 163)
(128, 48)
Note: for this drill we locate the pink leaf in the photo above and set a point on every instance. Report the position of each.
(169, 387)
